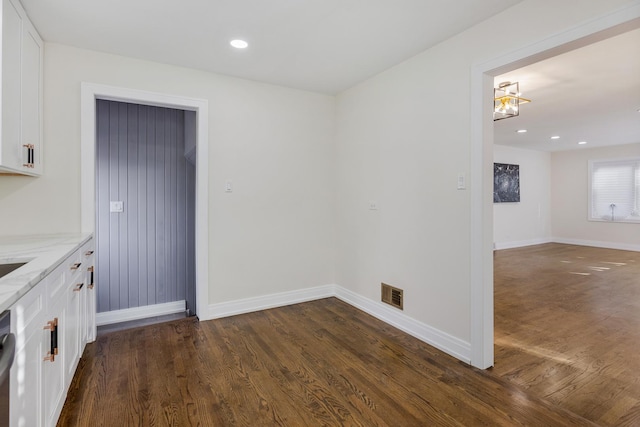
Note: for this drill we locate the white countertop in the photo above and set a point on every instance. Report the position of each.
(43, 253)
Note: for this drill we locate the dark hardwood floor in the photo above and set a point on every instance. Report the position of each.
(567, 328)
(325, 363)
(311, 364)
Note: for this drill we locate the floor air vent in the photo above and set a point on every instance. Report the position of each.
(392, 296)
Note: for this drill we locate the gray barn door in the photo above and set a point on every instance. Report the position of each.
(145, 253)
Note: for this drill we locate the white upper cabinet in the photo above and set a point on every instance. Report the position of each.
(20, 93)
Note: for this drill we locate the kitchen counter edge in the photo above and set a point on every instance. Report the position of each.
(42, 254)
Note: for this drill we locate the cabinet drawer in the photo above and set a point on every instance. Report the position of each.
(74, 263)
(87, 250)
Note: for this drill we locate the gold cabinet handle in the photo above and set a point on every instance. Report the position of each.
(78, 287)
(76, 266)
(88, 253)
(52, 325)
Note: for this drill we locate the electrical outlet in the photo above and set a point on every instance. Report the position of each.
(373, 206)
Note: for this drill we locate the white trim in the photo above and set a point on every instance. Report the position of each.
(521, 243)
(432, 336)
(481, 263)
(265, 302)
(481, 238)
(441, 340)
(598, 244)
(135, 313)
(89, 93)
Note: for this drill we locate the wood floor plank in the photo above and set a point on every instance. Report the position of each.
(567, 337)
(311, 364)
(567, 327)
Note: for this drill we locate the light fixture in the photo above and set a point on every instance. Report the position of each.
(521, 131)
(582, 142)
(507, 100)
(239, 44)
(555, 137)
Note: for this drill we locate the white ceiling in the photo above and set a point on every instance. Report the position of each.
(326, 46)
(590, 94)
(317, 45)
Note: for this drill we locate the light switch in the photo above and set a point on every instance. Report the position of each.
(462, 182)
(228, 188)
(116, 206)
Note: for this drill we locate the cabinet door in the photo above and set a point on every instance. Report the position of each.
(53, 386)
(27, 323)
(21, 94)
(88, 303)
(71, 327)
(11, 152)
(31, 100)
(27, 408)
(83, 315)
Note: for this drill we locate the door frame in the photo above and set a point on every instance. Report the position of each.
(602, 27)
(90, 92)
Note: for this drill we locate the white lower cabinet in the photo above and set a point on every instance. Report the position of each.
(27, 321)
(54, 366)
(88, 297)
(51, 333)
(71, 329)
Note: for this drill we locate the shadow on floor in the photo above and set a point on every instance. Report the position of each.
(105, 329)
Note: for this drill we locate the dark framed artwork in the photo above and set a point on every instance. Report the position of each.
(506, 183)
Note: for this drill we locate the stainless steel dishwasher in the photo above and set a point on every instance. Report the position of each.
(7, 352)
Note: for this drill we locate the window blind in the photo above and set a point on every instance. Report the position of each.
(615, 190)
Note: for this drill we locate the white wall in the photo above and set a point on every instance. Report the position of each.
(529, 221)
(273, 233)
(403, 137)
(569, 198)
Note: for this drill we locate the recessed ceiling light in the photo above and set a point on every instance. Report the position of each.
(555, 137)
(521, 131)
(582, 142)
(239, 44)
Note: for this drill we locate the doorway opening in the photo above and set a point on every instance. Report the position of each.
(482, 81)
(145, 195)
(561, 310)
(198, 109)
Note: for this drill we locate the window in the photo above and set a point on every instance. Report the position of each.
(614, 190)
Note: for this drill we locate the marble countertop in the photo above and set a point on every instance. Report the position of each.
(42, 254)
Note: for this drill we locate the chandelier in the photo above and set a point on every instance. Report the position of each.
(507, 100)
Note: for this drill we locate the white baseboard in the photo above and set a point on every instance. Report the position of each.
(579, 242)
(449, 344)
(124, 315)
(248, 305)
(598, 244)
(521, 243)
